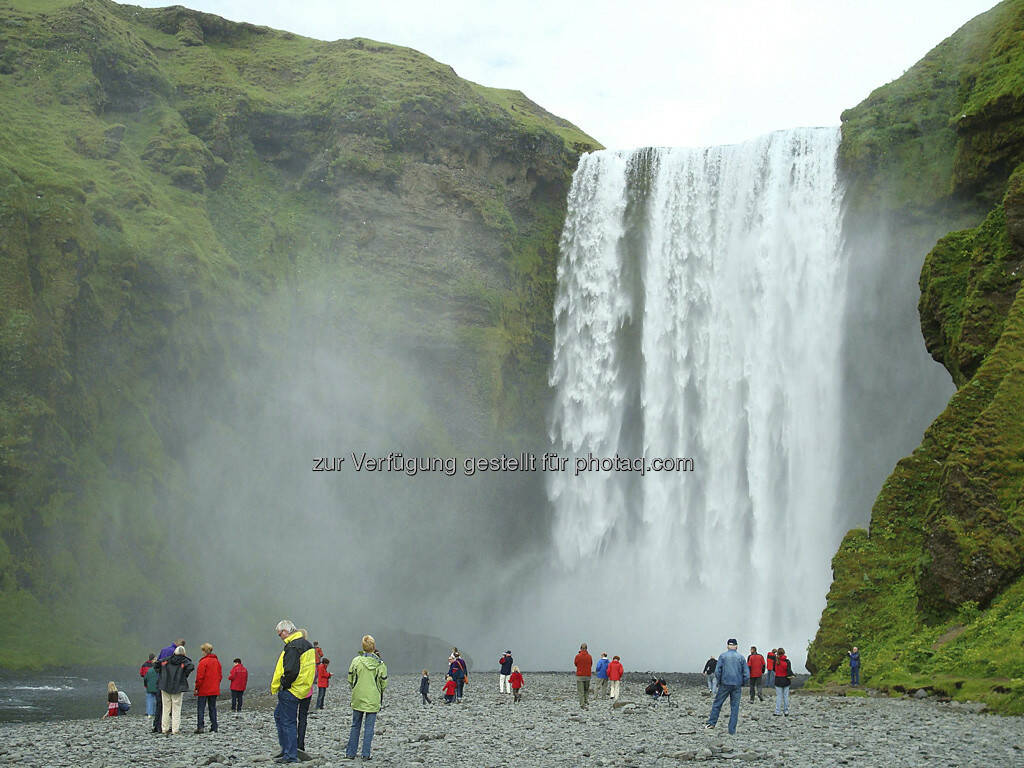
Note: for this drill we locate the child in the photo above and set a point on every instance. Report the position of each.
(113, 710)
(323, 679)
(449, 689)
(516, 681)
(425, 687)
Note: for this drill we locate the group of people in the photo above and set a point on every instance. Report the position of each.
(731, 672)
(301, 666)
(165, 677)
(607, 672)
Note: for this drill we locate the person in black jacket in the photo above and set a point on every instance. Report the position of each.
(709, 673)
(174, 674)
(425, 687)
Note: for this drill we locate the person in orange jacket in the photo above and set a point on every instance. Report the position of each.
(323, 679)
(207, 687)
(615, 675)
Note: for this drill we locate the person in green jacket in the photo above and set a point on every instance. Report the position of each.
(368, 677)
(152, 680)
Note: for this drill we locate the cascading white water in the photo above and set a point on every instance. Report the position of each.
(699, 314)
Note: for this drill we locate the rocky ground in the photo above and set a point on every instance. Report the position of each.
(548, 729)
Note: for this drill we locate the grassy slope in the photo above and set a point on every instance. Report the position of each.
(164, 171)
(933, 592)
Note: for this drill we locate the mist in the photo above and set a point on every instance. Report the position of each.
(338, 362)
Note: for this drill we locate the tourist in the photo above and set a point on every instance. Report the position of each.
(464, 678)
(368, 676)
(601, 673)
(292, 680)
(319, 651)
(783, 673)
(515, 680)
(207, 687)
(756, 665)
(425, 687)
(304, 704)
(152, 689)
(854, 666)
(732, 674)
(615, 672)
(456, 673)
(505, 662)
(770, 668)
(709, 674)
(583, 662)
(147, 665)
(239, 679)
(113, 710)
(165, 653)
(449, 687)
(323, 679)
(174, 674)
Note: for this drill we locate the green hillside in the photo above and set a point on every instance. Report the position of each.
(180, 198)
(933, 591)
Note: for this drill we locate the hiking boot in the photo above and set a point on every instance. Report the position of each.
(200, 730)
(708, 726)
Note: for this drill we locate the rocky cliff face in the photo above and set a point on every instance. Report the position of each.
(181, 198)
(932, 592)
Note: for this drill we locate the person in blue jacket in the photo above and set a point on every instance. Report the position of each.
(601, 670)
(732, 674)
(854, 666)
(505, 663)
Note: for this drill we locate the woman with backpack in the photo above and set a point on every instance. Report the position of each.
(783, 675)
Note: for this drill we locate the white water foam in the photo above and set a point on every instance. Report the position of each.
(699, 314)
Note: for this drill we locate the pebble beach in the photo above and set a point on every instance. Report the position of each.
(548, 728)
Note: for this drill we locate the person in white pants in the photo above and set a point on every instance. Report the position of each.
(615, 672)
(174, 674)
(506, 669)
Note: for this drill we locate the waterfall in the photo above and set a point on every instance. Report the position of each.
(699, 314)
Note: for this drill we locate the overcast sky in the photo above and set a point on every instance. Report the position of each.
(682, 73)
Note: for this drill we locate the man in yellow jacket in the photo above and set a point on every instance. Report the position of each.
(292, 681)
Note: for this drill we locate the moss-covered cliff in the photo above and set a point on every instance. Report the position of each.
(933, 591)
(174, 186)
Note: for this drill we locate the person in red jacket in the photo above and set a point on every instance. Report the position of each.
(239, 678)
(449, 689)
(615, 675)
(516, 681)
(323, 679)
(583, 662)
(207, 686)
(757, 666)
(770, 668)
